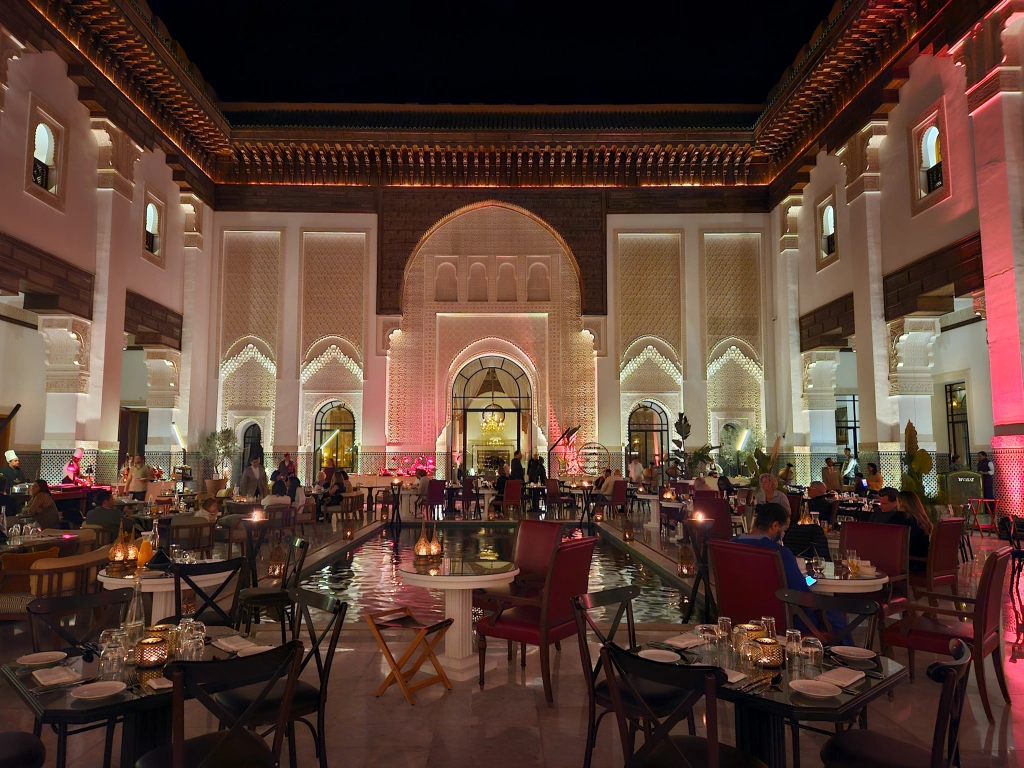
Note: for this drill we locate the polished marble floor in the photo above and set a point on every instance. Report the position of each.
(509, 723)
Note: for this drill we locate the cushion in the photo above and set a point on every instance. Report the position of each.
(21, 562)
(663, 699)
(858, 748)
(929, 635)
(244, 751)
(15, 603)
(306, 699)
(21, 750)
(523, 625)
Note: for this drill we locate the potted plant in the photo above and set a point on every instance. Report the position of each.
(216, 449)
(917, 463)
(695, 461)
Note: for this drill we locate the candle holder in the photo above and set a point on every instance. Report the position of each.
(754, 630)
(151, 652)
(771, 652)
(687, 565)
(160, 630)
(627, 529)
(145, 675)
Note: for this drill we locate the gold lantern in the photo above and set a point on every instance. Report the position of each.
(771, 652)
(118, 554)
(277, 562)
(687, 565)
(754, 630)
(151, 652)
(422, 546)
(435, 545)
(627, 529)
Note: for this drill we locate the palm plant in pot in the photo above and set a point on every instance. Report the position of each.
(216, 449)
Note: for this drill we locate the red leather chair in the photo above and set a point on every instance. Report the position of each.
(534, 545)
(523, 621)
(943, 563)
(512, 498)
(707, 494)
(925, 630)
(888, 549)
(434, 503)
(469, 498)
(796, 506)
(716, 509)
(554, 497)
(620, 492)
(746, 579)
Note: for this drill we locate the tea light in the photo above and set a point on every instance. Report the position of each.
(771, 652)
(160, 630)
(151, 652)
(754, 631)
(699, 517)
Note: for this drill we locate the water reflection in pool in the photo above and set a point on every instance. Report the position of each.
(367, 577)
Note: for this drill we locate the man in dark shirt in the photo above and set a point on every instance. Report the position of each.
(105, 513)
(818, 501)
(499, 486)
(886, 506)
(13, 473)
(517, 467)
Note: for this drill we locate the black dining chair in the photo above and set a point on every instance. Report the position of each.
(204, 606)
(92, 613)
(234, 746)
(274, 597)
(625, 670)
(816, 612)
(21, 750)
(869, 749)
(308, 699)
(663, 698)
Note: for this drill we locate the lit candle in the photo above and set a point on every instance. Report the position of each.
(151, 652)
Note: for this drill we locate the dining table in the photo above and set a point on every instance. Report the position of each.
(19, 544)
(160, 586)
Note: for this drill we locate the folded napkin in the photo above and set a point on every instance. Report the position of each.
(233, 643)
(255, 649)
(159, 683)
(56, 675)
(844, 677)
(734, 675)
(685, 640)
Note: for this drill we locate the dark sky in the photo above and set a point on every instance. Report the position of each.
(489, 52)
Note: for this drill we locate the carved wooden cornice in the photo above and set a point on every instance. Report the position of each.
(851, 70)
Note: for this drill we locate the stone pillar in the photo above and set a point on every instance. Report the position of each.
(991, 55)
(163, 368)
(911, 341)
(878, 420)
(10, 48)
(287, 397)
(195, 314)
(788, 289)
(819, 397)
(115, 241)
(68, 358)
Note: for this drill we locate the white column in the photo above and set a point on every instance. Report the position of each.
(287, 405)
(68, 358)
(163, 367)
(912, 340)
(788, 311)
(819, 397)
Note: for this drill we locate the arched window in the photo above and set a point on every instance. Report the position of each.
(478, 282)
(537, 288)
(252, 443)
(828, 231)
(931, 160)
(446, 283)
(44, 149)
(648, 434)
(334, 435)
(508, 288)
(152, 233)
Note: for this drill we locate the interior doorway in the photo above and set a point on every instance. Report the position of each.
(648, 434)
(334, 435)
(132, 434)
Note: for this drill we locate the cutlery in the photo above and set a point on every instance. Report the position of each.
(837, 662)
(40, 689)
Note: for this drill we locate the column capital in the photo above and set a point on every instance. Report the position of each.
(860, 157)
(819, 379)
(115, 167)
(10, 48)
(789, 209)
(162, 376)
(68, 346)
(990, 54)
(911, 343)
(192, 207)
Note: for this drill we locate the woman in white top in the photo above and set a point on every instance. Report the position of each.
(278, 495)
(770, 492)
(295, 492)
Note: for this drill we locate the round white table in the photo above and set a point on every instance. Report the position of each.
(161, 588)
(458, 577)
(849, 586)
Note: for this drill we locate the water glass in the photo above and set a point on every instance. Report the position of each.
(792, 647)
(739, 638)
(111, 666)
(813, 653)
(176, 553)
(724, 627)
(193, 649)
(768, 622)
(750, 656)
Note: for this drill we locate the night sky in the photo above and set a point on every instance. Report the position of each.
(488, 52)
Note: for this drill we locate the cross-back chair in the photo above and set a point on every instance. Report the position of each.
(205, 607)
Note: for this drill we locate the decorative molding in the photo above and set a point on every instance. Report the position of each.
(735, 390)
(597, 327)
(860, 157)
(990, 54)
(387, 325)
(10, 48)
(68, 351)
(650, 355)
(331, 356)
(249, 353)
(819, 379)
(911, 345)
(789, 222)
(163, 367)
(249, 392)
(115, 165)
(192, 210)
(733, 283)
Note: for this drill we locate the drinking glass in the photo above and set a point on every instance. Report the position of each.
(739, 637)
(111, 666)
(176, 553)
(750, 655)
(817, 566)
(768, 622)
(14, 530)
(193, 649)
(813, 653)
(792, 645)
(850, 558)
(725, 627)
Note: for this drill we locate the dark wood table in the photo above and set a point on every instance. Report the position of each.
(33, 543)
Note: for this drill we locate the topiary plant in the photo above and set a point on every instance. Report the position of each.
(761, 463)
(917, 463)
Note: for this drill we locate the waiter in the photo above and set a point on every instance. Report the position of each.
(73, 470)
(140, 477)
(987, 471)
(13, 473)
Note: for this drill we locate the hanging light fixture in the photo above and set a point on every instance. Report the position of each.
(492, 419)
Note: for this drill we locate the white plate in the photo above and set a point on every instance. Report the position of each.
(144, 574)
(847, 652)
(815, 689)
(38, 659)
(656, 654)
(101, 690)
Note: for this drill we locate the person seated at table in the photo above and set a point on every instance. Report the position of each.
(254, 480)
(875, 480)
(702, 484)
(275, 476)
(604, 486)
(886, 506)
(209, 509)
(769, 492)
(910, 512)
(278, 495)
(860, 485)
(499, 486)
(768, 529)
(329, 469)
(41, 506)
(673, 471)
(818, 501)
(321, 481)
(296, 493)
(650, 476)
(423, 484)
(724, 484)
(105, 514)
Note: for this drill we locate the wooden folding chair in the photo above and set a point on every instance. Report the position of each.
(979, 507)
(402, 618)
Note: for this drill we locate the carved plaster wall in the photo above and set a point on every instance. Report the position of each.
(433, 334)
(10, 48)
(162, 377)
(116, 157)
(735, 393)
(248, 391)
(250, 279)
(333, 295)
(732, 290)
(68, 351)
(651, 290)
